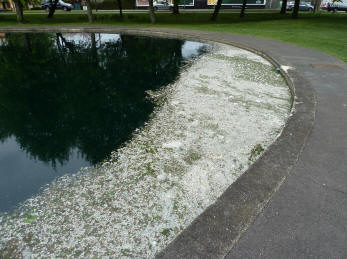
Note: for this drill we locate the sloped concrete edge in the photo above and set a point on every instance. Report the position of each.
(218, 228)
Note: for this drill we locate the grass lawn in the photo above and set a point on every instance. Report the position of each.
(326, 32)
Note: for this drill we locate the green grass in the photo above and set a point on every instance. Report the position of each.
(326, 32)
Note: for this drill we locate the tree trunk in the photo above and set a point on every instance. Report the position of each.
(90, 12)
(151, 11)
(296, 9)
(284, 7)
(216, 10)
(242, 13)
(19, 11)
(52, 8)
(27, 42)
(120, 7)
(62, 43)
(94, 51)
(175, 9)
(317, 6)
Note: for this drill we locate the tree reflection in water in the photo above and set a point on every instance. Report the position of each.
(68, 101)
(57, 94)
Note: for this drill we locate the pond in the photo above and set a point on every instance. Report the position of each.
(68, 100)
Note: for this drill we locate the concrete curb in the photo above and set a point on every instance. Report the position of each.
(218, 228)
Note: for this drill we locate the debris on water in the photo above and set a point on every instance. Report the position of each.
(173, 144)
(286, 68)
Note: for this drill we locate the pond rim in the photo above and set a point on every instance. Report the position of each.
(214, 232)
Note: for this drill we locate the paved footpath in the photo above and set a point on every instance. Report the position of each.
(307, 216)
(292, 203)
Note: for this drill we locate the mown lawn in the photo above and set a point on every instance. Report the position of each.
(326, 32)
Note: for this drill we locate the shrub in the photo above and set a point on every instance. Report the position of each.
(113, 4)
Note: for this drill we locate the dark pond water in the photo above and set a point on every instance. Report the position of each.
(68, 100)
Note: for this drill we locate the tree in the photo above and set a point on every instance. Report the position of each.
(52, 8)
(120, 7)
(175, 9)
(90, 13)
(63, 45)
(19, 11)
(216, 10)
(151, 11)
(242, 13)
(296, 9)
(284, 7)
(317, 4)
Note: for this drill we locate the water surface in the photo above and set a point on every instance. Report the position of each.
(69, 100)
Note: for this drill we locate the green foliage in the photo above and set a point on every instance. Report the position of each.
(29, 218)
(166, 232)
(125, 252)
(37, 2)
(256, 152)
(78, 253)
(105, 5)
(113, 4)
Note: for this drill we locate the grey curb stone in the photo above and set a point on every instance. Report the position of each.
(219, 227)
